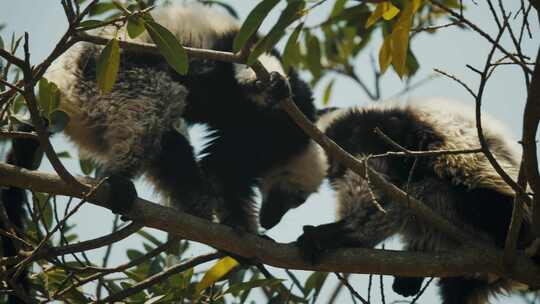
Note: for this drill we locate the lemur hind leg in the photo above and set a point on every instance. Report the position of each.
(132, 131)
(231, 168)
(176, 173)
(460, 290)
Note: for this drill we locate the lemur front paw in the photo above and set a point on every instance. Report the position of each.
(311, 245)
(278, 87)
(407, 286)
(122, 194)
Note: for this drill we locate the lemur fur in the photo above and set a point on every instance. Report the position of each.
(464, 188)
(131, 130)
(24, 153)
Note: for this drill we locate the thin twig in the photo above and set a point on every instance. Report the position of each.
(107, 255)
(350, 288)
(482, 33)
(418, 295)
(159, 277)
(408, 153)
(120, 268)
(457, 80)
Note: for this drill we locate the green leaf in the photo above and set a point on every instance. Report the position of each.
(87, 166)
(120, 6)
(291, 54)
(101, 8)
(412, 64)
(338, 7)
(63, 154)
(49, 97)
(107, 66)
(221, 268)
(133, 254)
(58, 120)
(314, 56)
(44, 95)
(155, 267)
(292, 12)
(90, 24)
(252, 23)
(252, 284)
(45, 208)
(149, 237)
(235, 278)
(18, 104)
(328, 92)
(135, 26)
(168, 46)
(315, 282)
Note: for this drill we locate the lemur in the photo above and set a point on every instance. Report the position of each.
(24, 153)
(463, 188)
(139, 127)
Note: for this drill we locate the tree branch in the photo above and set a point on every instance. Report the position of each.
(468, 261)
(159, 277)
(531, 118)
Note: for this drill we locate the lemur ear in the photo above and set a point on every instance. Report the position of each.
(276, 204)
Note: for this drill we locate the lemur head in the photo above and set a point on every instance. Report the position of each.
(289, 185)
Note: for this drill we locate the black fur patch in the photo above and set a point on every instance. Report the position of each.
(458, 290)
(407, 286)
(24, 153)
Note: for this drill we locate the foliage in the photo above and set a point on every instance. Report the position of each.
(326, 49)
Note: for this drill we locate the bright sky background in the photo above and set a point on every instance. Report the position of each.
(449, 50)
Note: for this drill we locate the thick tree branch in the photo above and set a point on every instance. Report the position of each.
(468, 261)
(531, 118)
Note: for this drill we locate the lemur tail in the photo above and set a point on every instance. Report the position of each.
(24, 154)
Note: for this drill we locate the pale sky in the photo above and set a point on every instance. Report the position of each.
(449, 50)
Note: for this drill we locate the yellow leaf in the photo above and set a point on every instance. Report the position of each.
(221, 268)
(385, 54)
(376, 15)
(400, 36)
(389, 10)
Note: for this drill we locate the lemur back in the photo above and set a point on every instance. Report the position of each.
(140, 126)
(464, 188)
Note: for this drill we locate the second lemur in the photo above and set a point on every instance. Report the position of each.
(139, 127)
(463, 188)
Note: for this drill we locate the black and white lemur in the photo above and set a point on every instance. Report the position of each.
(464, 188)
(139, 126)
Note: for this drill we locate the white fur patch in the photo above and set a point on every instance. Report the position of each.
(456, 123)
(194, 25)
(327, 119)
(304, 172)
(244, 74)
(64, 71)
